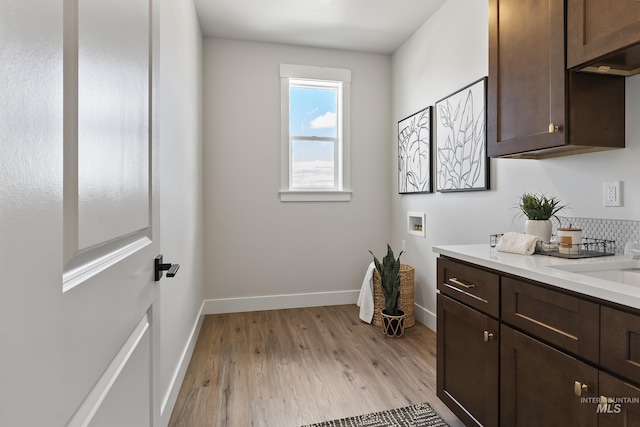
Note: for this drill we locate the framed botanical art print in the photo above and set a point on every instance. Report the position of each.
(414, 153)
(461, 139)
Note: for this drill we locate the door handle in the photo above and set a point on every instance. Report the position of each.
(159, 267)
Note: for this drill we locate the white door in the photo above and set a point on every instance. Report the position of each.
(78, 213)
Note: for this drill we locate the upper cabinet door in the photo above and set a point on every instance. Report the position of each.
(596, 28)
(527, 77)
(536, 108)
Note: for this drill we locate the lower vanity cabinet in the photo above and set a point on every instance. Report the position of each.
(619, 403)
(468, 362)
(468, 342)
(541, 386)
(620, 354)
(518, 353)
(620, 336)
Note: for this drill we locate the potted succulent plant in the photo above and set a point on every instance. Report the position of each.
(389, 270)
(539, 209)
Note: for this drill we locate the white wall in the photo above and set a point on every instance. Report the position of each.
(447, 53)
(256, 245)
(181, 193)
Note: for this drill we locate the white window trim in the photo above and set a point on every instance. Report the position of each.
(300, 72)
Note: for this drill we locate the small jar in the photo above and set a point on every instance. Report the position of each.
(569, 240)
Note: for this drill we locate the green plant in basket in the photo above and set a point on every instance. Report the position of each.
(389, 271)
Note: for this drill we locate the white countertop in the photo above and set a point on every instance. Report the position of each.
(537, 267)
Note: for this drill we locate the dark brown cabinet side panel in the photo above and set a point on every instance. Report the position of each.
(619, 405)
(537, 384)
(599, 27)
(620, 336)
(467, 365)
(560, 319)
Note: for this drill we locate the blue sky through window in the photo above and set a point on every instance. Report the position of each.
(313, 112)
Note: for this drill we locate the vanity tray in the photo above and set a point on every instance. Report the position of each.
(588, 248)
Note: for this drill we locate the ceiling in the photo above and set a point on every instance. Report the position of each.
(377, 26)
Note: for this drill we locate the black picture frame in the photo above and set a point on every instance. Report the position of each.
(415, 159)
(461, 140)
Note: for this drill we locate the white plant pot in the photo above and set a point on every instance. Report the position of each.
(541, 228)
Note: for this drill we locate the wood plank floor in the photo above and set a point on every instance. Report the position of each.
(287, 368)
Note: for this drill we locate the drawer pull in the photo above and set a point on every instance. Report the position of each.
(578, 388)
(487, 336)
(455, 281)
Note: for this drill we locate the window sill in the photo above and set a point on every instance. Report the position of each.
(315, 196)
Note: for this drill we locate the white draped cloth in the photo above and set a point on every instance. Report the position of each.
(517, 243)
(365, 299)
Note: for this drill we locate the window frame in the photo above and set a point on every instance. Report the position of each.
(316, 75)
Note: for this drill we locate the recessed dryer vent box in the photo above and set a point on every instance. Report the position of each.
(416, 223)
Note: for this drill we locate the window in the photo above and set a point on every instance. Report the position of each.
(315, 133)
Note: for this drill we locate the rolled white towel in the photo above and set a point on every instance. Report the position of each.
(517, 243)
(365, 299)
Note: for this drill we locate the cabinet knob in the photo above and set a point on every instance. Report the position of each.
(553, 128)
(579, 388)
(487, 336)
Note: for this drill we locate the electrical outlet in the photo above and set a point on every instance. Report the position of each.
(404, 246)
(612, 194)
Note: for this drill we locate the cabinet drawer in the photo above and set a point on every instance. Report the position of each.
(473, 286)
(560, 319)
(620, 335)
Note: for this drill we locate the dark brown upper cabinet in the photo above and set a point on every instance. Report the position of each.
(604, 36)
(536, 107)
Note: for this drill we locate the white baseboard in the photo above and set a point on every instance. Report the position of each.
(425, 317)
(277, 302)
(171, 396)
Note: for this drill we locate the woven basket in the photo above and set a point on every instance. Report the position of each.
(405, 300)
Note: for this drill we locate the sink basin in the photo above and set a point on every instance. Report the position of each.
(627, 272)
